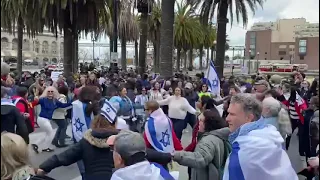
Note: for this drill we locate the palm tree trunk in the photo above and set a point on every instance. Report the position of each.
(20, 39)
(221, 37)
(111, 46)
(200, 58)
(212, 53)
(178, 59)
(67, 55)
(157, 49)
(75, 60)
(185, 60)
(166, 33)
(143, 43)
(123, 54)
(136, 54)
(208, 50)
(190, 59)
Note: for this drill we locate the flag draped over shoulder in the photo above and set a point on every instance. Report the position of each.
(158, 130)
(212, 80)
(258, 154)
(80, 122)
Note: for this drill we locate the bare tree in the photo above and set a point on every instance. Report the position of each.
(84, 54)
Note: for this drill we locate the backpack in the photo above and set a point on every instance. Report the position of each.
(27, 120)
(227, 150)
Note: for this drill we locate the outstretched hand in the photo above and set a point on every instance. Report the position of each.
(40, 172)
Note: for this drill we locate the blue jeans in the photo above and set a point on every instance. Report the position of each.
(60, 135)
(81, 168)
(178, 126)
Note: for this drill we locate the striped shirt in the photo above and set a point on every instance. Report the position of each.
(292, 111)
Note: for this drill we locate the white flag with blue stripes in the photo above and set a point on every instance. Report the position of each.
(108, 111)
(212, 80)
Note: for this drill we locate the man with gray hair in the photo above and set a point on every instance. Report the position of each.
(129, 156)
(275, 115)
(257, 148)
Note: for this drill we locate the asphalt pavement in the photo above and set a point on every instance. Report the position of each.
(72, 173)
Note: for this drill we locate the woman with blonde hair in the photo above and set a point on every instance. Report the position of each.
(48, 102)
(15, 163)
(94, 150)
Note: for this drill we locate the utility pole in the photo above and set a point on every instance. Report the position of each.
(115, 31)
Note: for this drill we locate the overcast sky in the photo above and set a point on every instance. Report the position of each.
(272, 10)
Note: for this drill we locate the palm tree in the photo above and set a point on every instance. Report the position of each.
(210, 37)
(128, 31)
(207, 12)
(166, 34)
(69, 16)
(145, 5)
(154, 24)
(12, 13)
(187, 30)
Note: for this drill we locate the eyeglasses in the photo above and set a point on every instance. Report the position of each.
(50, 91)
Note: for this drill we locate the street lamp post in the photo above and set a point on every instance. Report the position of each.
(258, 62)
(244, 56)
(249, 68)
(93, 39)
(232, 61)
(214, 50)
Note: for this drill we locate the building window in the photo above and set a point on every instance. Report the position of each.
(252, 38)
(282, 53)
(14, 44)
(54, 47)
(45, 47)
(302, 46)
(4, 43)
(36, 46)
(303, 42)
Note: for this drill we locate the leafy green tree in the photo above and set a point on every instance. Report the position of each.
(187, 31)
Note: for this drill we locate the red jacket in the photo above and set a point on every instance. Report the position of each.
(299, 107)
(193, 143)
(22, 108)
(176, 142)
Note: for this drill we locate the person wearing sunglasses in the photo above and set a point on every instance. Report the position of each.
(204, 91)
(48, 102)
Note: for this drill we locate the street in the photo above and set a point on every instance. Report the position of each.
(71, 172)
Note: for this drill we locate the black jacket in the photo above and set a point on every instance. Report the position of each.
(96, 156)
(12, 121)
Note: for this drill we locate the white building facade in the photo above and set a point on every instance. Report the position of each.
(44, 48)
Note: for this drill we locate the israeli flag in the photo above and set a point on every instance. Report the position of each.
(258, 154)
(142, 171)
(158, 130)
(80, 122)
(108, 111)
(212, 80)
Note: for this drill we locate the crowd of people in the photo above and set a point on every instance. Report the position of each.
(128, 127)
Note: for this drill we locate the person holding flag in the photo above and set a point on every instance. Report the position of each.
(212, 80)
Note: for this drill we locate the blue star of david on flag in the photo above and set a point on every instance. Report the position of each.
(212, 80)
(215, 83)
(165, 138)
(78, 124)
